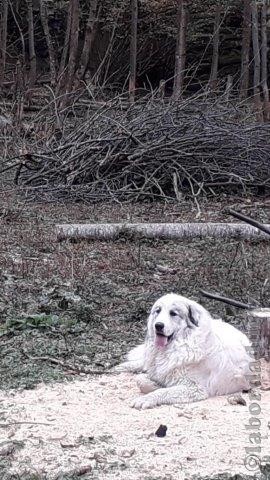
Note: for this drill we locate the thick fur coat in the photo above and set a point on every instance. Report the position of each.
(187, 355)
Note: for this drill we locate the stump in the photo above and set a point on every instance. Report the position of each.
(258, 331)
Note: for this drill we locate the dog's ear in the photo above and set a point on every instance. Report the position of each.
(193, 317)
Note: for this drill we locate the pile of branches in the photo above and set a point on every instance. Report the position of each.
(151, 150)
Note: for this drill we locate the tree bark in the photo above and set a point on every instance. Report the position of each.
(246, 38)
(258, 332)
(256, 60)
(216, 38)
(180, 53)
(51, 52)
(133, 49)
(159, 230)
(32, 52)
(3, 39)
(88, 38)
(264, 72)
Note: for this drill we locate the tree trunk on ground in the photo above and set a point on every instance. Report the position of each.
(180, 52)
(264, 72)
(51, 52)
(133, 49)
(216, 37)
(159, 230)
(3, 39)
(258, 331)
(256, 61)
(88, 38)
(32, 52)
(246, 37)
(73, 46)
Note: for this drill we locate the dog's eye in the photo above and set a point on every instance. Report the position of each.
(158, 310)
(173, 313)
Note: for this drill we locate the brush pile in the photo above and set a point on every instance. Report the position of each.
(151, 150)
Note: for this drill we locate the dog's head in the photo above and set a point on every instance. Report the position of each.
(175, 317)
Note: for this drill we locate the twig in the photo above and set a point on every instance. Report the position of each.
(6, 425)
(67, 366)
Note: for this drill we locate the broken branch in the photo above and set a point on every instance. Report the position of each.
(250, 221)
(229, 301)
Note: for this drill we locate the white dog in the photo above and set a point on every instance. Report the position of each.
(187, 355)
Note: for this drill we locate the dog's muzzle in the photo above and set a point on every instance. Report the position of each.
(161, 340)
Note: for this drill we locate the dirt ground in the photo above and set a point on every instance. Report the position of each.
(68, 309)
(87, 427)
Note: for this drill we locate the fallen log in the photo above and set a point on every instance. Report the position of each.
(169, 231)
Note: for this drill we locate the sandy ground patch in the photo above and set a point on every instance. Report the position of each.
(88, 425)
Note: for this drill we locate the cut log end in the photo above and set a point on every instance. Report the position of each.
(258, 331)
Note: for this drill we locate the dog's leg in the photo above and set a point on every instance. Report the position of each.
(135, 361)
(185, 392)
(145, 384)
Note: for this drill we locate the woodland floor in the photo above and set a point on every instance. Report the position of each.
(68, 309)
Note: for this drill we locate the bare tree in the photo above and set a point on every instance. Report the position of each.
(19, 94)
(90, 30)
(246, 39)
(256, 59)
(216, 38)
(51, 52)
(228, 89)
(3, 39)
(105, 62)
(133, 49)
(32, 52)
(73, 45)
(20, 32)
(65, 46)
(180, 53)
(264, 50)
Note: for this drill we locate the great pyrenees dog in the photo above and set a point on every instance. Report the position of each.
(187, 355)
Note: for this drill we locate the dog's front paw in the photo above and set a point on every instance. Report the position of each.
(143, 402)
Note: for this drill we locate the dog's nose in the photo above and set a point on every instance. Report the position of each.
(159, 326)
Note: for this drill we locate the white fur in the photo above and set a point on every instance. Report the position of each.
(206, 357)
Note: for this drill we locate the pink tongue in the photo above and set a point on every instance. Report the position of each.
(161, 341)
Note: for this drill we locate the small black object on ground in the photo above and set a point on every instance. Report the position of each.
(161, 431)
